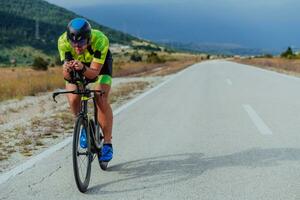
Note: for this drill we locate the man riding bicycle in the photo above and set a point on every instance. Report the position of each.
(86, 50)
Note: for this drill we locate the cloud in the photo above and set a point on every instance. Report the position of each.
(242, 3)
(79, 3)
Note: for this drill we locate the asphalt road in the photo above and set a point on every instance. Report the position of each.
(219, 130)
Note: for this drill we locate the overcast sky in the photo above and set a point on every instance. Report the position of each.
(237, 3)
(251, 23)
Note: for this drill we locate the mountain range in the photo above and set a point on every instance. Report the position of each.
(219, 49)
(31, 27)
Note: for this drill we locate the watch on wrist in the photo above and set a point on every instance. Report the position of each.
(83, 69)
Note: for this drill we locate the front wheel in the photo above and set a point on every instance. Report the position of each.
(82, 156)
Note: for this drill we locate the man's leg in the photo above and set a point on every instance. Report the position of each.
(74, 99)
(105, 115)
(74, 102)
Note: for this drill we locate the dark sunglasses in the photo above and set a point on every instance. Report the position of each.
(79, 43)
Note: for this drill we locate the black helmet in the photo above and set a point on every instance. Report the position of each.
(79, 30)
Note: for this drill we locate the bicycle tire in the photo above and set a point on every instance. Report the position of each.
(103, 165)
(97, 135)
(82, 183)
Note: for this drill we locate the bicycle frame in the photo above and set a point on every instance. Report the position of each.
(85, 96)
(93, 129)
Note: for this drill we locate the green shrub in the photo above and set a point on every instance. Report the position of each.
(288, 53)
(147, 48)
(154, 58)
(267, 56)
(4, 59)
(297, 56)
(40, 63)
(136, 57)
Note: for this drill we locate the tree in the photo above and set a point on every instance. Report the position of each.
(40, 63)
(288, 53)
(136, 57)
(154, 58)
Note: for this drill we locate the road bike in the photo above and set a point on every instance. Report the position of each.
(83, 157)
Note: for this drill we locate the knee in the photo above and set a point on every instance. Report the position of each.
(74, 101)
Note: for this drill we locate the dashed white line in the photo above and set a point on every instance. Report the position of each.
(258, 122)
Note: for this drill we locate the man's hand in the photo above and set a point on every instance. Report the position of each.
(78, 66)
(68, 66)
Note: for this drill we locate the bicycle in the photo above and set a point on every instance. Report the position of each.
(94, 134)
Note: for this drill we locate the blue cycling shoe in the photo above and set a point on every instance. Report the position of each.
(106, 153)
(83, 143)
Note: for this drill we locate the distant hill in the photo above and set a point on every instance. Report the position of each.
(34, 25)
(220, 49)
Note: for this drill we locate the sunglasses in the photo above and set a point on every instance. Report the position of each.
(79, 43)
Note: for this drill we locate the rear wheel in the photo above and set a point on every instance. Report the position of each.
(99, 135)
(103, 165)
(97, 142)
(96, 134)
(82, 157)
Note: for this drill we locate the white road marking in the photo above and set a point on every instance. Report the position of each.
(258, 122)
(125, 106)
(229, 82)
(32, 161)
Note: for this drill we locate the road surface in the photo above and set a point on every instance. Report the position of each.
(218, 130)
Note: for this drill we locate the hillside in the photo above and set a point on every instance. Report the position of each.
(220, 49)
(31, 27)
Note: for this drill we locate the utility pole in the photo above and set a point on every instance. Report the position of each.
(37, 29)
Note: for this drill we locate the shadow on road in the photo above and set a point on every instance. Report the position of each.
(170, 169)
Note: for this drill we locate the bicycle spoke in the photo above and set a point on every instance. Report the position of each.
(82, 164)
(81, 174)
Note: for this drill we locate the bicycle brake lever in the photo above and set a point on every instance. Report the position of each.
(53, 96)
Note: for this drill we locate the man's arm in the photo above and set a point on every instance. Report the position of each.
(89, 72)
(67, 68)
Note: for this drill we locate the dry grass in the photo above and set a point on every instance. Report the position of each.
(67, 118)
(175, 61)
(124, 91)
(19, 82)
(3, 156)
(277, 64)
(169, 68)
(26, 151)
(26, 139)
(37, 135)
(2, 119)
(38, 142)
(36, 122)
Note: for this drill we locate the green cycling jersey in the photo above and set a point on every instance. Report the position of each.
(96, 51)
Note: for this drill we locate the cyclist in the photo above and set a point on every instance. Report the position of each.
(87, 50)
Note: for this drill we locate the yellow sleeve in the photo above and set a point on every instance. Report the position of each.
(63, 47)
(101, 45)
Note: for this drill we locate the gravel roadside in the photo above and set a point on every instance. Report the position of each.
(30, 125)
